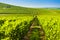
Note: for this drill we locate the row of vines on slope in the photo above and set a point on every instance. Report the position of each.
(14, 28)
(51, 26)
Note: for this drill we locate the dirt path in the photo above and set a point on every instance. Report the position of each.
(35, 24)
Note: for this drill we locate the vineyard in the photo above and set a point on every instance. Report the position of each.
(42, 27)
(22, 23)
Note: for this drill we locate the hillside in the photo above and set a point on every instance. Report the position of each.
(6, 8)
(10, 9)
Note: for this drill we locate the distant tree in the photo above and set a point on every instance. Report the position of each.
(8, 6)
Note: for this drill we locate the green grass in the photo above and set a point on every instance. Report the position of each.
(11, 9)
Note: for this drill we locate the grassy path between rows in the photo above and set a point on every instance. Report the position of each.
(36, 31)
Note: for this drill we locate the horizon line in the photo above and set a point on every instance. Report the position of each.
(32, 6)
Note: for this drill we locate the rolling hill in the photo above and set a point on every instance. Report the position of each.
(6, 8)
(11, 9)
